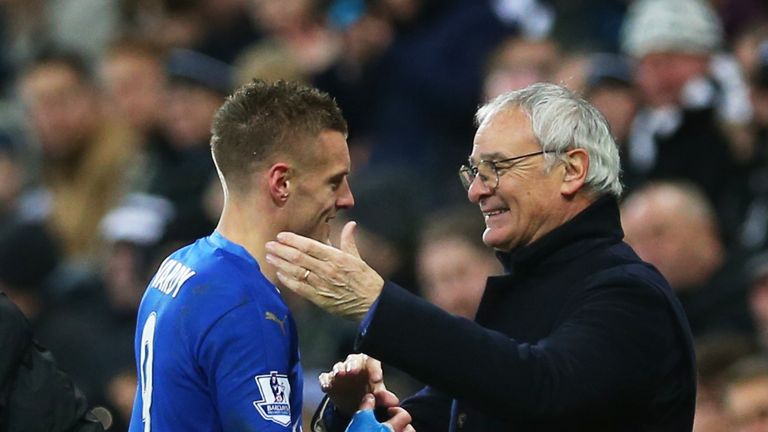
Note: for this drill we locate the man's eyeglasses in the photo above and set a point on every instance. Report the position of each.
(488, 170)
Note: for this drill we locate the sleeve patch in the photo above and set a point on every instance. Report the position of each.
(275, 390)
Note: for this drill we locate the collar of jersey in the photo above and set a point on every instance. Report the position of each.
(228, 245)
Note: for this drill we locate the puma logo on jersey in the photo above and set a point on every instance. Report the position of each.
(281, 322)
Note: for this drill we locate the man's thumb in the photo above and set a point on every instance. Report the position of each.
(348, 239)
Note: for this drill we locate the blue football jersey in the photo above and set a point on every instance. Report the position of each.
(216, 347)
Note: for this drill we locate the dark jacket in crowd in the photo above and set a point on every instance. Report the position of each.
(580, 335)
(35, 396)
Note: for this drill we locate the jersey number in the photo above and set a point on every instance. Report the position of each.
(147, 354)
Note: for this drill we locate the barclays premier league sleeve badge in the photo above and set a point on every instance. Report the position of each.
(275, 404)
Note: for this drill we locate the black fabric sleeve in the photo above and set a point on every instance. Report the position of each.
(608, 349)
(430, 410)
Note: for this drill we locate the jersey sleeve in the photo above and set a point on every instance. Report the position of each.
(247, 362)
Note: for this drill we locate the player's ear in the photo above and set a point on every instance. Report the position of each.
(279, 179)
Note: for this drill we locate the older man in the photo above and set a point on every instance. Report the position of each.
(580, 334)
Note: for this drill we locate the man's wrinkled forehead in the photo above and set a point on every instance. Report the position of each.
(496, 132)
(486, 156)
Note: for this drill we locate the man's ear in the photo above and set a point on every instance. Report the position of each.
(576, 163)
(279, 179)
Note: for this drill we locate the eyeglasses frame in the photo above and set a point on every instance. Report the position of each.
(473, 170)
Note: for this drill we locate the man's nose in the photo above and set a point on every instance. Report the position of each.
(478, 190)
(345, 199)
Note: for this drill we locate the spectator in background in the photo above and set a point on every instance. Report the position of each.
(571, 71)
(519, 62)
(610, 88)
(715, 354)
(695, 102)
(753, 231)
(182, 168)
(218, 29)
(297, 25)
(134, 232)
(746, 394)
(132, 73)
(270, 61)
(674, 227)
(85, 152)
(452, 261)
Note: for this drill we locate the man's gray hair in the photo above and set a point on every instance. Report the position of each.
(563, 121)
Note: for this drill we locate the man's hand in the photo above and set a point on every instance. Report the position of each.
(336, 280)
(365, 421)
(352, 379)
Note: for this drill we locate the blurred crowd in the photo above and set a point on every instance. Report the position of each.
(105, 110)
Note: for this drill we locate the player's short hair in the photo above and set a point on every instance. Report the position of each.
(262, 120)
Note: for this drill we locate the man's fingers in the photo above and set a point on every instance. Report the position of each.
(356, 363)
(368, 402)
(375, 372)
(288, 268)
(386, 398)
(300, 288)
(326, 379)
(399, 418)
(348, 243)
(313, 248)
(284, 257)
(409, 428)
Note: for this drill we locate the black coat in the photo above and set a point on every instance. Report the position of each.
(579, 335)
(34, 394)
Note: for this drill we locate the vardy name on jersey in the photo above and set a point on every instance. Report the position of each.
(171, 276)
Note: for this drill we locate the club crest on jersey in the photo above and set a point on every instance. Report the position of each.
(275, 403)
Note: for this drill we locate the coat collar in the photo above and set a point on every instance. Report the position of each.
(597, 224)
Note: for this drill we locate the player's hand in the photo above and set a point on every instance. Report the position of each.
(336, 280)
(365, 421)
(350, 380)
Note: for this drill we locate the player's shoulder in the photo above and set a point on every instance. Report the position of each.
(213, 273)
(208, 262)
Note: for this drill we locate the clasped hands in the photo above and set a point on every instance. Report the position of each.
(357, 385)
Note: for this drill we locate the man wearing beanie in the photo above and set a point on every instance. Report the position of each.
(695, 99)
